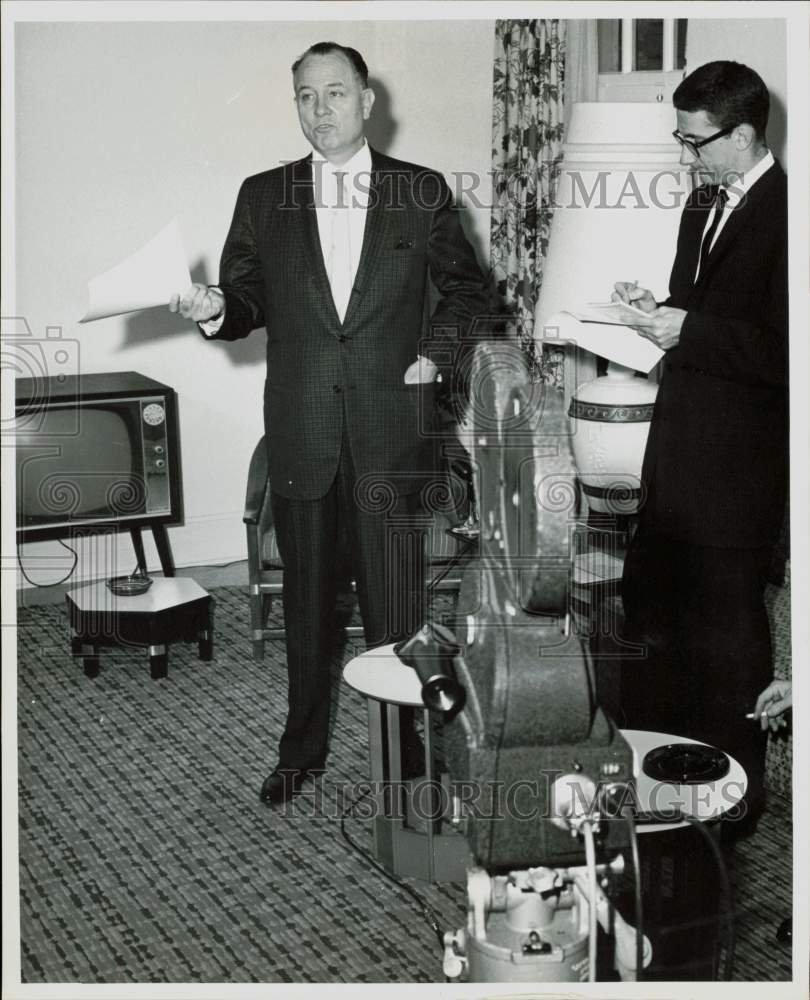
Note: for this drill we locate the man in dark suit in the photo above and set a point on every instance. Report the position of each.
(332, 254)
(715, 468)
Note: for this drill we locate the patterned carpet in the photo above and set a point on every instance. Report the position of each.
(146, 857)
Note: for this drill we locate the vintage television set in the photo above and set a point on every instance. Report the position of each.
(95, 453)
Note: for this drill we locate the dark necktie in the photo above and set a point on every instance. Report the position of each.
(705, 247)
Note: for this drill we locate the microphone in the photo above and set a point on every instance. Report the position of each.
(430, 653)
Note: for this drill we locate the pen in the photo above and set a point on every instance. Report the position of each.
(753, 715)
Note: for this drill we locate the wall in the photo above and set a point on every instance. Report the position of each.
(121, 127)
(760, 44)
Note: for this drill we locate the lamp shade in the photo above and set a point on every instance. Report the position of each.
(617, 208)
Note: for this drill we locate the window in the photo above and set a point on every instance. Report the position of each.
(640, 60)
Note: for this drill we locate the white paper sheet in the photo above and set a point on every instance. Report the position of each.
(149, 277)
(616, 343)
(618, 313)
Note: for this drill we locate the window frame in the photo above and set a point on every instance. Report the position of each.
(632, 84)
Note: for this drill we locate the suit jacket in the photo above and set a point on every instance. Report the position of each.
(321, 372)
(715, 467)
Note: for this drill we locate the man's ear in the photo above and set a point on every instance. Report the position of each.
(744, 137)
(368, 101)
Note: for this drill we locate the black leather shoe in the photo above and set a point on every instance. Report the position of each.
(282, 785)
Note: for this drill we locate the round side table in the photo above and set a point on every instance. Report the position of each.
(679, 873)
(411, 836)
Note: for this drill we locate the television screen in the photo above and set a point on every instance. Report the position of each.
(95, 452)
(62, 474)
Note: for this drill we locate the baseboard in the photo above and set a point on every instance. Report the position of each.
(209, 542)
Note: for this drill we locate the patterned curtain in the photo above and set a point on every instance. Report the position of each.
(527, 134)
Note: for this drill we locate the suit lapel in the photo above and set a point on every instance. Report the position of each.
(686, 261)
(304, 199)
(374, 234)
(736, 223)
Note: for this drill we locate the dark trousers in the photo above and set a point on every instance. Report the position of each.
(699, 614)
(380, 539)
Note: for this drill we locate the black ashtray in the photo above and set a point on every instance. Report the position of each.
(686, 764)
(129, 586)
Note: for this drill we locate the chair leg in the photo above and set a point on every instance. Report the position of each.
(257, 619)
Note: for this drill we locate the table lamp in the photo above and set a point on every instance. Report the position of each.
(617, 207)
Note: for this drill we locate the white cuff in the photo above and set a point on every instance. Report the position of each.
(211, 326)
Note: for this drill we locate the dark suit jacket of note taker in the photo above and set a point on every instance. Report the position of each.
(321, 372)
(715, 467)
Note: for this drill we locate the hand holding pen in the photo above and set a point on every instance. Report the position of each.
(632, 294)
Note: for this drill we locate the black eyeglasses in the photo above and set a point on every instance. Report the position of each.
(694, 145)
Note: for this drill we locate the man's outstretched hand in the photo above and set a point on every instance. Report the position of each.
(199, 303)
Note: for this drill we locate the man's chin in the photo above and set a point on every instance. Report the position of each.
(702, 177)
(322, 141)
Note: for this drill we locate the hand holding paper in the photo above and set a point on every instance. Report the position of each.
(199, 303)
(149, 277)
(662, 327)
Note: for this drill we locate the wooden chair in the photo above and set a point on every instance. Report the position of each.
(265, 568)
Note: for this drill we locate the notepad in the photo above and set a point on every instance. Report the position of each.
(613, 313)
(613, 340)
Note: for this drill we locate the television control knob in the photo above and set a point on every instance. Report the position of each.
(158, 449)
(159, 463)
(154, 414)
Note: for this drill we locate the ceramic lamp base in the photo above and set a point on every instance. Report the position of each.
(610, 420)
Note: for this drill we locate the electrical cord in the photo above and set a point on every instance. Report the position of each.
(725, 885)
(427, 911)
(631, 828)
(590, 860)
(637, 889)
(54, 583)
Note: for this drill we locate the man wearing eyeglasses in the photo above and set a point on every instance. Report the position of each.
(715, 468)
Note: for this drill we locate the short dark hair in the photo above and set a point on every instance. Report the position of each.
(730, 93)
(326, 48)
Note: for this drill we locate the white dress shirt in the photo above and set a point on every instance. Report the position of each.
(357, 181)
(736, 192)
(356, 177)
